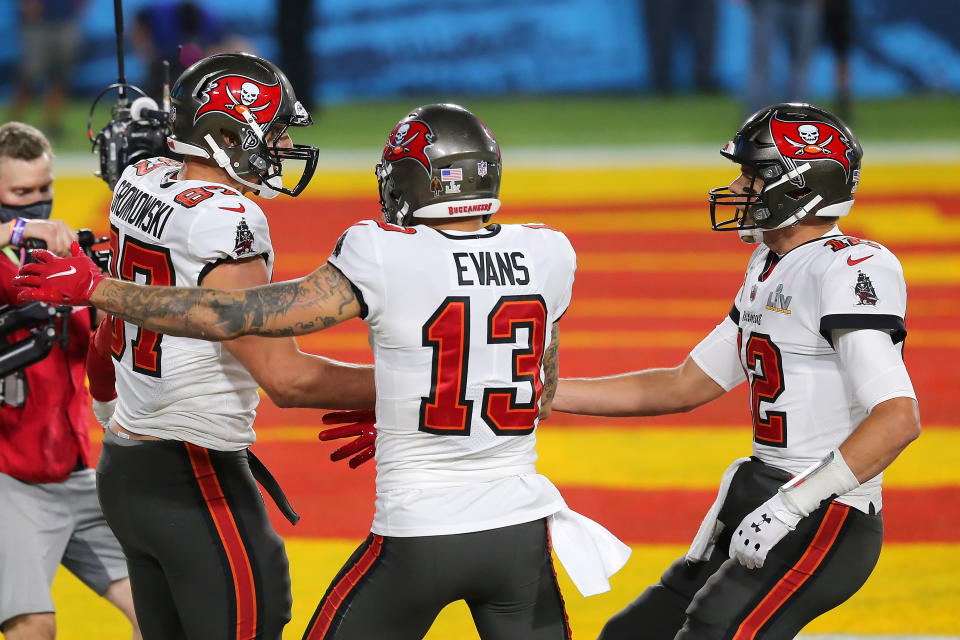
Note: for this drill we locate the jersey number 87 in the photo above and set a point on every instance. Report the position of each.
(155, 266)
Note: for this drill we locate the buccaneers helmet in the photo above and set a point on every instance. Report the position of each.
(440, 161)
(250, 100)
(807, 159)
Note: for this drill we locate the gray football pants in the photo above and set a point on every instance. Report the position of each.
(205, 562)
(812, 570)
(393, 588)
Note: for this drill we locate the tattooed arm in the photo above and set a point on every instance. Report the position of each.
(551, 373)
(317, 301)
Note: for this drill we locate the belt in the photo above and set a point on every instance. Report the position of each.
(263, 476)
(259, 470)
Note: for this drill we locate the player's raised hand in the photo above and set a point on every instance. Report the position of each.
(356, 424)
(58, 280)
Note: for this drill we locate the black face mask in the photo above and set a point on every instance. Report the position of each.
(35, 211)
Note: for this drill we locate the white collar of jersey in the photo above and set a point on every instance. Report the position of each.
(459, 208)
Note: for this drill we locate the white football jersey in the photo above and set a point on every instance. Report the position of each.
(166, 231)
(459, 323)
(802, 401)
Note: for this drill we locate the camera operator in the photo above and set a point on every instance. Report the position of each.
(26, 190)
(48, 499)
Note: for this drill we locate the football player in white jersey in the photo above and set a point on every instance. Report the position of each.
(176, 481)
(464, 327)
(817, 331)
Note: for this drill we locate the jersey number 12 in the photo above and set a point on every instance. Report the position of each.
(765, 368)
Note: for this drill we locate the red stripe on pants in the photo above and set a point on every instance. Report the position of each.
(342, 589)
(244, 590)
(797, 574)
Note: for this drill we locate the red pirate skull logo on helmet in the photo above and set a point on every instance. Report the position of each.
(234, 95)
(808, 140)
(409, 139)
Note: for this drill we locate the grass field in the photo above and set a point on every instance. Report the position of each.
(652, 279)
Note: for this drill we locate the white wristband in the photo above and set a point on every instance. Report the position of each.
(829, 477)
(103, 411)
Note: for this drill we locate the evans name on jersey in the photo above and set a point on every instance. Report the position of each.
(488, 268)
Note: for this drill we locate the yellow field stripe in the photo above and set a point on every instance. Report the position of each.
(597, 185)
(82, 200)
(694, 458)
(665, 183)
(683, 457)
(614, 339)
(913, 590)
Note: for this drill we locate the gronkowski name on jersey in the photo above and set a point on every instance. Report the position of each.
(165, 231)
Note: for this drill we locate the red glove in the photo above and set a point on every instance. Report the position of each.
(357, 424)
(58, 280)
(100, 370)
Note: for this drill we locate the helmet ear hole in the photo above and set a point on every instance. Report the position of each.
(798, 194)
(230, 138)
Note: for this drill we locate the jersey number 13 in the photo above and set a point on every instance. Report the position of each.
(446, 410)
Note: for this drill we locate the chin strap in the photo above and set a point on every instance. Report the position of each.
(264, 190)
(751, 236)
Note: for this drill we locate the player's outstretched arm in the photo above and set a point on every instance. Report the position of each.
(320, 300)
(289, 376)
(317, 301)
(650, 392)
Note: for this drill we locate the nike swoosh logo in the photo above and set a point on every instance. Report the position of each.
(69, 272)
(851, 261)
(238, 209)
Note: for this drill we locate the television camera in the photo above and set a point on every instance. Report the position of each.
(136, 130)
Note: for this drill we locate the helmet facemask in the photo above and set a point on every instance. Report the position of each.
(264, 159)
(393, 207)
